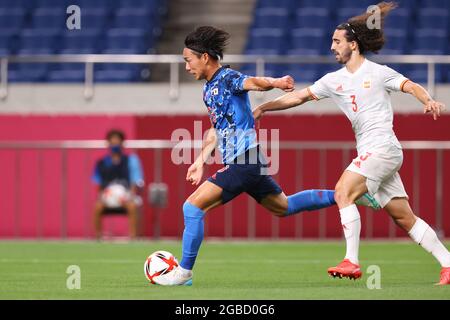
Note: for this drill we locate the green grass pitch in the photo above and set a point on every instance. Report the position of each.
(224, 270)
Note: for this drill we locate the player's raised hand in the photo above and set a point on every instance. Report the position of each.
(434, 107)
(194, 173)
(286, 83)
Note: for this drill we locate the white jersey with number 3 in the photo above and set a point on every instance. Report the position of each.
(364, 97)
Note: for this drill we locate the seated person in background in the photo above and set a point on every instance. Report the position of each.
(118, 177)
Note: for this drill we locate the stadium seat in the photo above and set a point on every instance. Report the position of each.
(270, 70)
(271, 18)
(52, 4)
(94, 19)
(268, 38)
(28, 72)
(397, 40)
(8, 44)
(82, 41)
(436, 18)
(128, 41)
(304, 73)
(309, 39)
(11, 20)
(325, 4)
(288, 4)
(36, 41)
(433, 40)
(49, 18)
(313, 18)
(433, 4)
(399, 18)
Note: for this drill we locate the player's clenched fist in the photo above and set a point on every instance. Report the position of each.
(285, 83)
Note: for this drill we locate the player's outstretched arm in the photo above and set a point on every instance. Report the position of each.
(429, 104)
(287, 101)
(195, 171)
(285, 83)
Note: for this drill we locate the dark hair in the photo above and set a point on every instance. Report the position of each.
(115, 133)
(368, 39)
(208, 39)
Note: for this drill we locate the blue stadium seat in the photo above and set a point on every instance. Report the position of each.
(433, 4)
(67, 72)
(87, 5)
(128, 41)
(271, 18)
(436, 18)
(53, 4)
(94, 19)
(304, 73)
(397, 40)
(431, 39)
(49, 18)
(399, 18)
(268, 38)
(157, 6)
(270, 70)
(82, 42)
(7, 44)
(38, 41)
(360, 5)
(310, 39)
(313, 18)
(345, 13)
(419, 73)
(119, 72)
(327, 4)
(11, 19)
(16, 4)
(288, 4)
(135, 18)
(28, 72)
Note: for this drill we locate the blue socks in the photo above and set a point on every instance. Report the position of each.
(192, 235)
(310, 200)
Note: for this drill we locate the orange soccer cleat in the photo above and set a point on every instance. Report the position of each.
(445, 277)
(345, 269)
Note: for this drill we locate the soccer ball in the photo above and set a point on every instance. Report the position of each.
(115, 196)
(158, 266)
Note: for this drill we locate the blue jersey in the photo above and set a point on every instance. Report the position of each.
(230, 113)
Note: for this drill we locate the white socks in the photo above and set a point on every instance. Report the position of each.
(351, 223)
(425, 236)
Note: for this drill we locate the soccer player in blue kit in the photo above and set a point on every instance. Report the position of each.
(225, 95)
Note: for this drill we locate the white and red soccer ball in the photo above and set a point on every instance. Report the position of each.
(115, 196)
(158, 266)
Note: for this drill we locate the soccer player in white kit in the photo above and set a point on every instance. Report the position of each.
(362, 89)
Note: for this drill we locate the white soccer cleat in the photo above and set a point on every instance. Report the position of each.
(367, 200)
(178, 278)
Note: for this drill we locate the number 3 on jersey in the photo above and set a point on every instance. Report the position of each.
(355, 106)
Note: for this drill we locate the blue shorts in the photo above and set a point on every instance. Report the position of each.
(242, 176)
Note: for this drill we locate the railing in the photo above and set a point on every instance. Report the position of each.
(175, 60)
(157, 146)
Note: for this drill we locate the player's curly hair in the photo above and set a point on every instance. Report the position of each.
(368, 39)
(208, 39)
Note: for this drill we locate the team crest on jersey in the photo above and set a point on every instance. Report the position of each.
(366, 84)
(215, 91)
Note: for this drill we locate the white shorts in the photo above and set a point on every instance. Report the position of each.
(380, 166)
